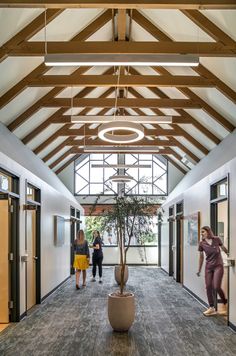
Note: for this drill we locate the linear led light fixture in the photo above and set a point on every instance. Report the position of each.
(123, 149)
(121, 166)
(94, 119)
(117, 59)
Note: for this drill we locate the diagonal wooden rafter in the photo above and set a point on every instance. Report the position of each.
(58, 132)
(209, 27)
(175, 164)
(41, 69)
(28, 31)
(119, 4)
(187, 117)
(142, 21)
(179, 129)
(71, 160)
(203, 49)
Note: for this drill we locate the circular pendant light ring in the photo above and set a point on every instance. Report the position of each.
(104, 132)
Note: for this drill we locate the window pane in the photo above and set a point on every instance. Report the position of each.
(96, 188)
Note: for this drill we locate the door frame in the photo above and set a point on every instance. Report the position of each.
(34, 205)
(179, 240)
(171, 220)
(14, 264)
(213, 218)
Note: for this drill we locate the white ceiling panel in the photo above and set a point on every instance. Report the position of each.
(208, 122)
(198, 135)
(179, 163)
(43, 136)
(225, 20)
(51, 147)
(14, 69)
(173, 93)
(190, 146)
(58, 154)
(21, 103)
(177, 25)
(139, 34)
(14, 20)
(34, 121)
(104, 34)
(223, 68)
(63, 162)
(218, 101)
(65, 26)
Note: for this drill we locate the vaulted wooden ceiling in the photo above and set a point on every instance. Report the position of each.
(36, 101)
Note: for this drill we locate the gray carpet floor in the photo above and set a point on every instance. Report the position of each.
(74, 322)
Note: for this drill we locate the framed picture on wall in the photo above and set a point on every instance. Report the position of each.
(193, 228)
(59, 230)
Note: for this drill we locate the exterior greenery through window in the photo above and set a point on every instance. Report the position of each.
(147, 181)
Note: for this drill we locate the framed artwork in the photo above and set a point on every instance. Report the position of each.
(193, 228)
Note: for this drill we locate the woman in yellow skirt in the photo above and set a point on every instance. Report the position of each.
(81, 261)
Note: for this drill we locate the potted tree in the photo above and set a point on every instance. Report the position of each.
(131, 216)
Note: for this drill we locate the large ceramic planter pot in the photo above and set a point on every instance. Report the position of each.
(121, 311)
(118, 274)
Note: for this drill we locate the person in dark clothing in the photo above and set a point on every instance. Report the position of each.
(214, 269)
(97, 255)
(81, 260)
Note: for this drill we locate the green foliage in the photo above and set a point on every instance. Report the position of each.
(92, 223)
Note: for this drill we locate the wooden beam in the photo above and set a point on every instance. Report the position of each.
(158, 34)
(175, 164)
(209, 27)
(120, 4)
(121, 24)
(202, 49)
(61, 158)
(221, 86)
(32, 109)
(123, 103)
(208, 109)
(185, 150)
(57, 134)
(124, 81)
(186, 117)
(59, 170)
(28, 31)
(41, 69)
(184, 133)
(66, 142)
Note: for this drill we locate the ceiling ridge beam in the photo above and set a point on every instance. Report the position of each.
(41, 69)
(120, 4)
(28, 31)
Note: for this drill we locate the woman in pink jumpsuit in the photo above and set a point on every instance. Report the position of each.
(214, 269)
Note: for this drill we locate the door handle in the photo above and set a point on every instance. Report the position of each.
(35, 258)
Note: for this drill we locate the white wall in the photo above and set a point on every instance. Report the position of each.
(174, 177)
(194, 189)
(55, 200)
(67, 177)
(135, 255)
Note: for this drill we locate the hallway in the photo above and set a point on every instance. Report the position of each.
(168, 322)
